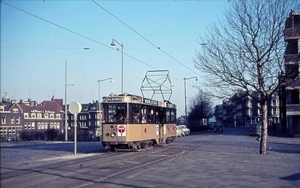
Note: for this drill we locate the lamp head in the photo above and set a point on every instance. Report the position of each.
(113, 42)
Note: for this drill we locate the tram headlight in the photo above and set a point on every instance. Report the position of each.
(113, 134)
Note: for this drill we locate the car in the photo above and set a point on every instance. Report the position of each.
(186, 131)
(255, 129)
(218, 128)
(179, 132)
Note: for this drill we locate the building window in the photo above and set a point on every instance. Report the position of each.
(25, 115)
(39, 115)
(15, 110)
(18, 121)
(51, 115)
(249, 112)
(3, 120)
(46, 115)
(12, 120)
(57, 115)
(33, 115)
(28, 126)
(39, 125)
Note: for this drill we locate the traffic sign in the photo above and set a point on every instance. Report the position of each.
(121, 130)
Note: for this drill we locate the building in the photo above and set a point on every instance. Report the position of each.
(241, 110)
(30, 119)
(88, 122)
(290, 91)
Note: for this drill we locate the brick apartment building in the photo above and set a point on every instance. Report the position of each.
(290, 92)
(21, 116)
(17, 117)
(88, 122)
(241, 110)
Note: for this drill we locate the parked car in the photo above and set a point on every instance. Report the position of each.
(179, 132)
(218, 128)
(186, 131)
(255, 129)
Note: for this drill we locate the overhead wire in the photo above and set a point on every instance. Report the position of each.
(157, 47)
(88, 38)
(71, 31)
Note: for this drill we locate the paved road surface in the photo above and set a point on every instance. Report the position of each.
(207, 159)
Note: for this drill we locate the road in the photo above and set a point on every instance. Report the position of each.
(205, 159)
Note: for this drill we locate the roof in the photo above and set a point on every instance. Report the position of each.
(44, 106)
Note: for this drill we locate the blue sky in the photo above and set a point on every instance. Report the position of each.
(36, 43)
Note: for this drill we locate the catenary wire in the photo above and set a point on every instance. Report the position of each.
(157, 47)
(88, 38)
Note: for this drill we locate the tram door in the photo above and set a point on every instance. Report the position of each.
(161, 122)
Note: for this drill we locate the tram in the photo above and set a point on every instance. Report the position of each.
(135, 123)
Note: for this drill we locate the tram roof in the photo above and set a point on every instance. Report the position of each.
(130, 98)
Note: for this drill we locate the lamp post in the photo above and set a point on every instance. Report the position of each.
(100, 107)
(66, 106)
(184, 79)
(122, 72)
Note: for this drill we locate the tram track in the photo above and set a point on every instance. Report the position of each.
(103, 165)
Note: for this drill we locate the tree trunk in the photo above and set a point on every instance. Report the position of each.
(264, 129)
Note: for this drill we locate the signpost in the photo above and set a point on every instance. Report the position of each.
(75, 108)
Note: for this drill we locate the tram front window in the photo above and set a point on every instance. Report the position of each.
(116, 113)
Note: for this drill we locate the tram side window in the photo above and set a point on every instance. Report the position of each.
(168, 116)
(144, 114)
(136, 115)
(151, 116)
(173, 116)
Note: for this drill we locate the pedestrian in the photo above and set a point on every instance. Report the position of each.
(258, 138)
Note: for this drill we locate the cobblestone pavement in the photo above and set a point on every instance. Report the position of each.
(236, 140)
(14, 153)
(227, 159)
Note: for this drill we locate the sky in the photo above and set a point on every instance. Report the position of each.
(38, 38)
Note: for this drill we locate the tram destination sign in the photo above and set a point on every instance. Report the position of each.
(151, 102)
(114, 99)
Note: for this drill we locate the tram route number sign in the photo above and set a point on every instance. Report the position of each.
(121, 130)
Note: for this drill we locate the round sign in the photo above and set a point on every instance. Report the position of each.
(121, 128)
(75, 107)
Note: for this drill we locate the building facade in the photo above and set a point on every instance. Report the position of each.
(290, 91)
(88, 122)
(241, 110)
(30, 118)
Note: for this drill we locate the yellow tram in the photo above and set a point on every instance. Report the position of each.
(136, 123)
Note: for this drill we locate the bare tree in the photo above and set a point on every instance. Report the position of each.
(245, 52)
(201, 107)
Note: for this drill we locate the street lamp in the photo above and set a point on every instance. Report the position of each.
(100, 107)
(122, 75)
(185, 91)
(66, 105)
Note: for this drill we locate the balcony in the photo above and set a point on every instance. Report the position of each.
(293, 109)
(292, 58)
(291, 33)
